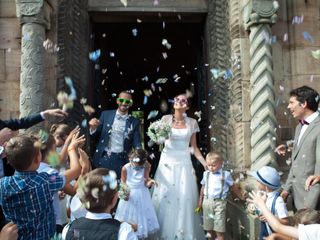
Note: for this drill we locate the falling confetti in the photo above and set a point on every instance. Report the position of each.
(73, 94)
(94, 56)
(88, 109)
(161, 80)
(124, 2)
(134, 32)
(166, 43)
(316, 54)
(50, 47)
(83, 101)
(145, 78)
(198, 114)
(307, 36)
(164, 55)
(285, 37)
(84, 123)
(147, 92)
(153, 114)
(53, 159)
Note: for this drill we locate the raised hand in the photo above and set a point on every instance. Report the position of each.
(281, 150)
(76, 141)
(71, 134)
(6, 134)
(55, 115)
(84, 162)
(93, 124)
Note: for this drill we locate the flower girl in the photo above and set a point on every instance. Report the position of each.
(135, 204)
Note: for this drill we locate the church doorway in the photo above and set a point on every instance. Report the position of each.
(156, 57)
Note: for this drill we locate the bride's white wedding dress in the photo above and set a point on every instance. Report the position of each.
(176, 196)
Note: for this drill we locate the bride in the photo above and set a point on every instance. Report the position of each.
(176, 195)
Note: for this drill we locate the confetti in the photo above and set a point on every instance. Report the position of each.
(215, 72)
(83, 101)
(164, 55)
(145, 100)
(53, 159)
(64, 101)
(139, 20)
(112, 55)
(145, 78)
(94, 56)
(124, 2)
(166, 43)
(153, 114)
(134, 32)
(161, 80)
(316, 54)
(281, 88)
(88, 109)
(73, 94)
(104, 70)
(50, 47)
(163, 106)
(307, 37)
(84, 123)
(285, 37)
(147, 92)
(198, 114)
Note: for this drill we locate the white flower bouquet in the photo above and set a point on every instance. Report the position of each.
(159, 131)
(124, 191)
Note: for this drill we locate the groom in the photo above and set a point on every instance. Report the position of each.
(118, 133)
(303, 105)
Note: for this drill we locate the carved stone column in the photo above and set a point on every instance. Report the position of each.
(33, 23)
(218, 44)
(259, 16)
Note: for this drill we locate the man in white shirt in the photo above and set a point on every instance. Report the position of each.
(303, 105)
(118, 133)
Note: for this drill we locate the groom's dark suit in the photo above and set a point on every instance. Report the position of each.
(131, 134)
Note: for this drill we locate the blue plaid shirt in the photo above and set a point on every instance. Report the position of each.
(26, 199)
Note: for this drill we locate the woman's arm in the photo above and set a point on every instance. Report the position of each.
(272, 220)
(196, 150)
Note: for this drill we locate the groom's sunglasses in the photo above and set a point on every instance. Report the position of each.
(125, 101)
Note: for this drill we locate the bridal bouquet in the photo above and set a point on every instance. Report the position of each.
(159, 131)
(124, 191)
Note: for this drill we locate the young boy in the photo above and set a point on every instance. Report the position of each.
(311, 232)
(26, 197)
(97, 191)
(268, 181)
(215, 187)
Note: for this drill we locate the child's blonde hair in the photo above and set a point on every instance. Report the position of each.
(214, 156)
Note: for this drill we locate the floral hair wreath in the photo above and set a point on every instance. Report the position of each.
(136, 160)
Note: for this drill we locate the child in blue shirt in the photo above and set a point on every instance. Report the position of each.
(26, 197)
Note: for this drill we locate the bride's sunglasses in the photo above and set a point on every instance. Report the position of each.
(181, 101)
(125, 101)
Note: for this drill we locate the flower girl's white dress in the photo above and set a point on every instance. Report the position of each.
(176, 196)
(139, 208)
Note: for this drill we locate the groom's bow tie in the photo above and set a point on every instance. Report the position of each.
(303, 122)
(121, 117)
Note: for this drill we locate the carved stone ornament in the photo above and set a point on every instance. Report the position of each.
(28, 7)
(260, 12)
(264, 8)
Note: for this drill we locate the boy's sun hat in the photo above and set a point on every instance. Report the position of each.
(267, 176)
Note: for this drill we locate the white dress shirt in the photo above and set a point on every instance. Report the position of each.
(309, 119)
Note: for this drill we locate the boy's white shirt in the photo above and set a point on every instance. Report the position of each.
(125, 231)
(214, 183)
(280, 207)
(44, 167)
(309, 232)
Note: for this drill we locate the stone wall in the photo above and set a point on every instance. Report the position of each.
(10, 54)
(10, 59)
